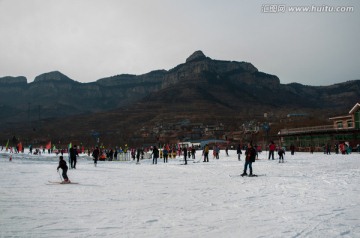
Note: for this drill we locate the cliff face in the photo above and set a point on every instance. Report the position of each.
(198, 67)
(200, 81)
(18, 81)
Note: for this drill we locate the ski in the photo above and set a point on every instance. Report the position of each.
(54, 182)
(254, 175)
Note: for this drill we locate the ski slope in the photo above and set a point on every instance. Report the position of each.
(310, 195)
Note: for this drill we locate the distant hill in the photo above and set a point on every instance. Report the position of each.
(201, 89)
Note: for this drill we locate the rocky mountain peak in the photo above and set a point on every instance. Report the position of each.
(52, 76)
(197, 55)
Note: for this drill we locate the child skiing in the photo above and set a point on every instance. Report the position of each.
(64, 167)
(281, 153)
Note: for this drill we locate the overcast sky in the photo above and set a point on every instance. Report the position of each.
(91, 39)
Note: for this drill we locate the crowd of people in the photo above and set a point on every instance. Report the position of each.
(251, 154)
(171, 151)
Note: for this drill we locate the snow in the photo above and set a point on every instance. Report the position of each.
(310, 195)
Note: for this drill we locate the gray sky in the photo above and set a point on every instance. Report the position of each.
(91, 39)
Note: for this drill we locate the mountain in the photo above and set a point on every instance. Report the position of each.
(54, 95)
(201, 90)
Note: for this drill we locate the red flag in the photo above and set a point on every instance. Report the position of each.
(48, 145)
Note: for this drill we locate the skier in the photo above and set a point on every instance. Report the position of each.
(73, 155)
(132, 152)
(342, 148)
(142, 153)
(156, 155)
(111, 154)
(206, 153)
(193, 151)
(165, 154)
(115, 153)
(281, 153)
(64, 167)
(138, 154)
(250, 155)
(272, 148)
(96, 154)
(337, 148)
(214, 152)
(238, 150)
(185, 154)
(328, 149)
(217, 152)
(292, 149)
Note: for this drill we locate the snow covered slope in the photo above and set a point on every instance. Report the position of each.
(310, 195)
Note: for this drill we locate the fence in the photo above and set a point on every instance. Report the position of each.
(307, 129)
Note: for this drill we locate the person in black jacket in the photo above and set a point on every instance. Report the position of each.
(292, 149)
(73, 155)
(185, 154)
(238, 151)
(96, 154)
(156, 155)
(64, 168)
(250, 155)
(138, 154)
(281, 153)
(193, 151)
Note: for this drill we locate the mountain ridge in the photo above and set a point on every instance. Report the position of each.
(200, 88)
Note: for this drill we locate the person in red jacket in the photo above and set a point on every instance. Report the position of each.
(272, 148)
(250, 155)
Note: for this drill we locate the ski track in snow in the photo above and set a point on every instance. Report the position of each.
(311, 195)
